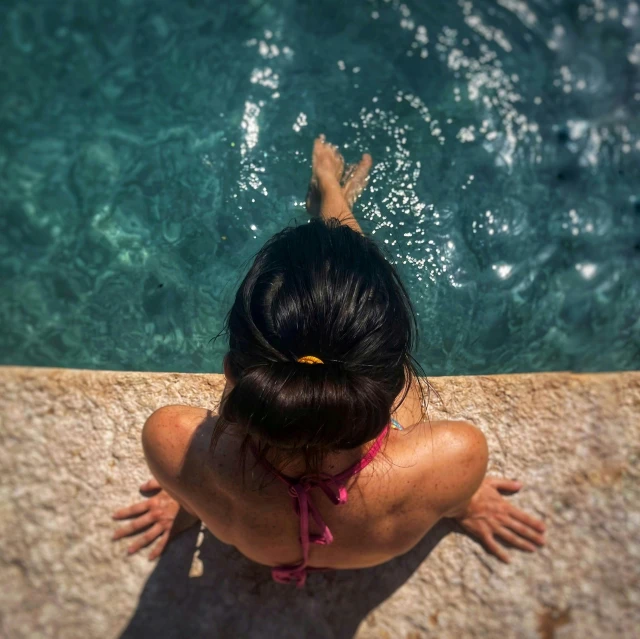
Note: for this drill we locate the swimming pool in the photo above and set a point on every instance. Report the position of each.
(148, 149)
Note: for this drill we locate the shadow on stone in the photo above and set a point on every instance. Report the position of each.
(235, 597)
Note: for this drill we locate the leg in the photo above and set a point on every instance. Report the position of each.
(327, 197)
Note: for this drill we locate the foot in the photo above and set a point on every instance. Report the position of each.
(328, 163)
(327, 170)
(160, 517)
(356, 178)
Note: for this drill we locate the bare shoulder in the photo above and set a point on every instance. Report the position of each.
(173, 438)
(454, 457)
(459, 439)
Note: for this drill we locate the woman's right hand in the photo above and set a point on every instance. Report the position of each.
(489, 516)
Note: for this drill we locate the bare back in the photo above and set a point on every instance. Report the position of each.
(392, 503)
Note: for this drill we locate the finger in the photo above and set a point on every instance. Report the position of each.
(515, 540)
(495, 548)
(500, 483)
(134, 526)
(158, 549)
(145, 539)
(131, 511)
(530, 521)
(151, 484)
(524, 531)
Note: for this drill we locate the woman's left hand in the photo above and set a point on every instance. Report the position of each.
(489, 516)
(159, 517)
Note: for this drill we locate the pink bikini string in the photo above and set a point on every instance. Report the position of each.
(333, 487)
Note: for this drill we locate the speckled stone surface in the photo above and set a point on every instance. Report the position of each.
(70, 454)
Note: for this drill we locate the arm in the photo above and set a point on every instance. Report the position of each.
(464, 448)
(166, 440)
(476, 502)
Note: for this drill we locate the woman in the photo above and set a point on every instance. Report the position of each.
(322, 410)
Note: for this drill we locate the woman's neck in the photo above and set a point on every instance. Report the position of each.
(333, 463)
(407, 414)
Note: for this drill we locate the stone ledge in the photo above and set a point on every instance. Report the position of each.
(70, 454)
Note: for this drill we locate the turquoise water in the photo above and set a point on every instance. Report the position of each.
(148, 149)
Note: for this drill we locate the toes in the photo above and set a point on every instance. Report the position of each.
(320, 144)
(327, 158)
(366, 162)
(338, 160)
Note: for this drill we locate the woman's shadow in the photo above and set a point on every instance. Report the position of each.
(235, 597)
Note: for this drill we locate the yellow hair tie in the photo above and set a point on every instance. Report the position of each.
(310, 359)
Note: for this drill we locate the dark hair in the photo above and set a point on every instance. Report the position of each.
(326, 290)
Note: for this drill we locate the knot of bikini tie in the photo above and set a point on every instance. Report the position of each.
(304, 506)
(332, 488)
